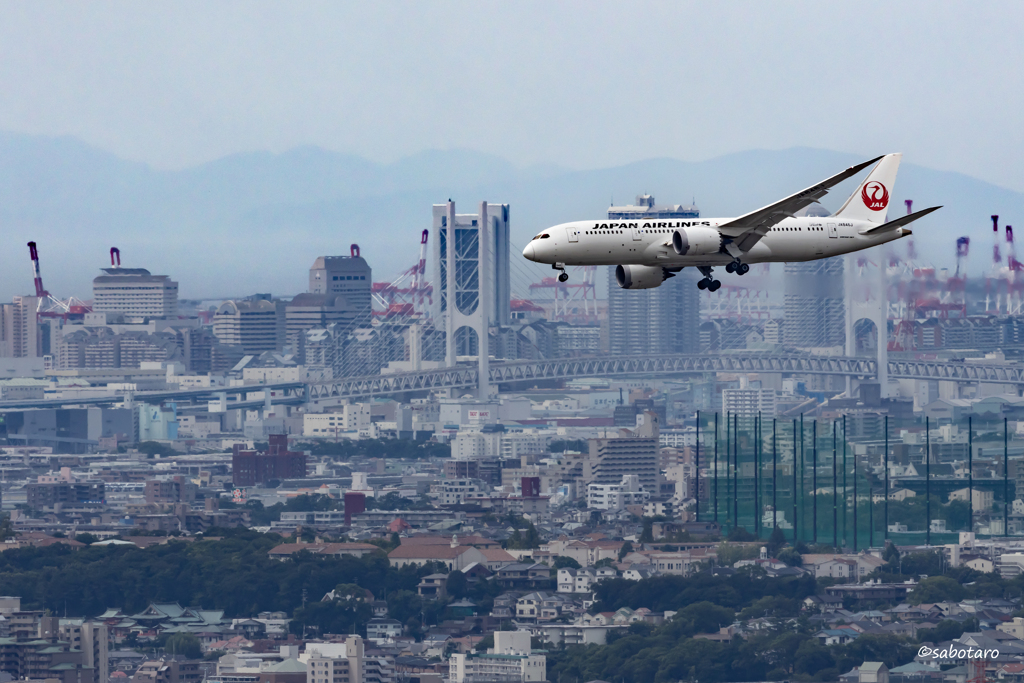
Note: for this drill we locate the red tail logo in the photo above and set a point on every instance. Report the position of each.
(875, 196)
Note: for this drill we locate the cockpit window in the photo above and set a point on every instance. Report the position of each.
(543, 236)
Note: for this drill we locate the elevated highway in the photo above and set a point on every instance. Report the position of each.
(525, 372)
(520, 372)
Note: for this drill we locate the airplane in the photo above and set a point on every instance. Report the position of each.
(647, 252)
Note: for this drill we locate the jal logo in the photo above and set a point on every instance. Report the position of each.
(875, 196)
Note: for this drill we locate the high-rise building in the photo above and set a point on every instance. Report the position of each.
(349, 276)
(665, 319)
(634, 452)
(256, 325)
(19, 329)
(309, 311)
(88, 637)
(135, 292)
(815, 311)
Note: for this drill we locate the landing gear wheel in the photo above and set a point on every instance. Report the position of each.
(702, 284)
(563, 277)
(743, 269)
(730, 267)
(715, 284)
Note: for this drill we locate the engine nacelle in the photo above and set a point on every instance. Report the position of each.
(641, 277)
(696, 241)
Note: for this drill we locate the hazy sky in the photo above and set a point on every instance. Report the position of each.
(579, 84)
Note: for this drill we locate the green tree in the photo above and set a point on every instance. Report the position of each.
(936, 589)
(6, 529)
(791, 557)
(626, 549)
(775, 542)
(565, 562)
(155, 448)
(186, 644)
(457, 586)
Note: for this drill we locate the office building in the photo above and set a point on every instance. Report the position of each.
(632, 453)
(249, 468)
(482, 271)
(135, 292)
(256, 325)
(19, 330)
(40, 496)
(665, 319)
(349, 276)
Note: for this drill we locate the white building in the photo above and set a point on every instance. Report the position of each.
(19, 329)
(615, 497)
(747, 400)
(511, 659)
(135, 292)
(456, 491)
(334, 662)
(349, 418)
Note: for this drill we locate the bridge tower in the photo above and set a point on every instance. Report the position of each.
(471, 267)
(866, 292)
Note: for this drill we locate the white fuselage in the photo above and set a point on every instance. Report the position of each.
(649, 242)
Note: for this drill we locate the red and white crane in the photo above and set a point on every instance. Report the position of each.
(418, 296)
(47, 305)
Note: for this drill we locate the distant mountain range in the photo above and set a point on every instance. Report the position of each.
(254, 222)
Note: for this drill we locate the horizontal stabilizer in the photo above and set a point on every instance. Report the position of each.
(900, 222)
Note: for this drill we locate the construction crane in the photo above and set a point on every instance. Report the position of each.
(392, 296)
(47, 306)
(963, 246)
(576, 302)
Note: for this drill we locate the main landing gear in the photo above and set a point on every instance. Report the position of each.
(737, 267)
(563, 276)
(708, 283)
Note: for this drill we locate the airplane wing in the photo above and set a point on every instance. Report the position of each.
(749, 228)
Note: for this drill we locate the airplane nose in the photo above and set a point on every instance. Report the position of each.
(528, 251)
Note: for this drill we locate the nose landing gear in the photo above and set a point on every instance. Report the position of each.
(563, 276)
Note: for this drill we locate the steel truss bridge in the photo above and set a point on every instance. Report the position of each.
(519, 372)
(676, 364)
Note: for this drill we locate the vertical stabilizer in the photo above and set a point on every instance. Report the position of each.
(870, 201)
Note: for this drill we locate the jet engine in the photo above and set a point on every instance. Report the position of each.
(641, 277)
(696, 241)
